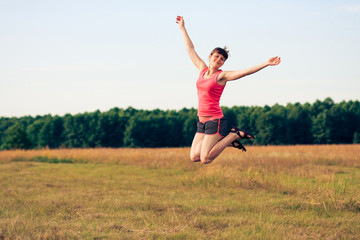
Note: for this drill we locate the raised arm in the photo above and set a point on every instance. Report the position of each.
(234, 75)
(199, 63)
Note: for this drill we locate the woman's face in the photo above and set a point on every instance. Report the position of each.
(217, 60)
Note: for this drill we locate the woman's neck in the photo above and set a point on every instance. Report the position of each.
(211, 71)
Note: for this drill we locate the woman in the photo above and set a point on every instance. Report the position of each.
(212, 135)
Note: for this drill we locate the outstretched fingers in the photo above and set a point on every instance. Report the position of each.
(274, 60)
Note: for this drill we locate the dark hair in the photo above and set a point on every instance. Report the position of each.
(223, 51)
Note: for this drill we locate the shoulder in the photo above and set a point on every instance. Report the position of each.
(202, 71)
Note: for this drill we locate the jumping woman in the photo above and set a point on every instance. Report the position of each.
(213, 135)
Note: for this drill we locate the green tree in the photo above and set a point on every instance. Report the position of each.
(320, 131)
(298, 125)
(93, 132)
(33, 132)
(153, 131)
(113, 125)
(51, 132)
(322, 122)
(321, 106)
(356, 138)
(16, 138)
(72, 131)
(189, 119)
(5, 123)
(338, 124)
(272, 126)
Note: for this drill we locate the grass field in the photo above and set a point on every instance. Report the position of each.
(273, 192)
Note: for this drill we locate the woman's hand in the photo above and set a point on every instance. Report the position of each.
(273, 61)
(180, 21)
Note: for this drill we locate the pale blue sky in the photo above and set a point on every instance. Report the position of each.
(78, 56)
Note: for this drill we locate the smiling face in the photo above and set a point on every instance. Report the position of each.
(216, 59)
(218, 56)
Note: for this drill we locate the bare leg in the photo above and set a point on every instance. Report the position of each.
(196, 147)
(213, 145)
(206, 148)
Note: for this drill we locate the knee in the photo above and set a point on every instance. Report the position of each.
(194, 158)
(206, 160)
(197, 158)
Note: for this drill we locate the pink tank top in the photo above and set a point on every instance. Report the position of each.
(209, 92)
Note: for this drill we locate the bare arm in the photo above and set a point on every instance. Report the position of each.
(199, 63)
(234, 75)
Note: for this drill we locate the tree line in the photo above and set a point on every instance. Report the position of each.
(323, 122)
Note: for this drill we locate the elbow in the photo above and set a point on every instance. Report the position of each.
(190, 49)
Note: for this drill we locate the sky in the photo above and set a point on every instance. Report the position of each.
(59, 57)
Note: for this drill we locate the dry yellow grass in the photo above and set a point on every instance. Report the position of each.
(343, 154)
(272, 192)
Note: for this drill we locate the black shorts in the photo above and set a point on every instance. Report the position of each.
(214, 126)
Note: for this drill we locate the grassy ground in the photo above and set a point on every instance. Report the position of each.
(285, 192)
